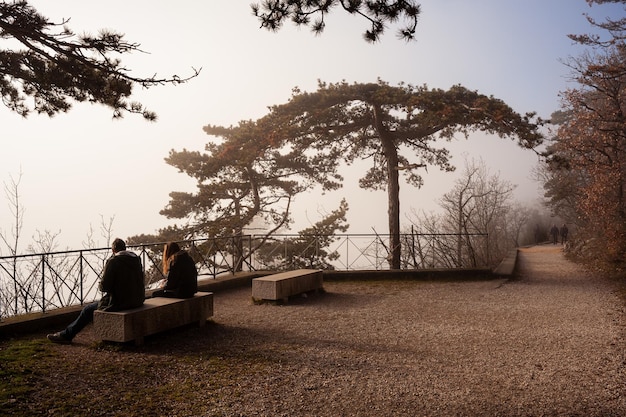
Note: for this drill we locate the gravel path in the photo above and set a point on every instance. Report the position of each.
(549, 342)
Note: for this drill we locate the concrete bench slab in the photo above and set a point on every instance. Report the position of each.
(154, 316)
(286, 284)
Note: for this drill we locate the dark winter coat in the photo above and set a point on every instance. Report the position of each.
(122, 282)
(554, 231)
(182, 277)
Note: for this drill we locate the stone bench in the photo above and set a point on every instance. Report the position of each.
(286, 284)
(155, 315)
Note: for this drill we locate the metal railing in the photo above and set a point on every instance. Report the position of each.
(45, 281)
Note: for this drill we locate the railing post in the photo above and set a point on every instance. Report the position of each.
(43, 283)
(233, 246)
(15, 284)
(81, 277)
(214, 266)
(250, 267)
(317, 247)
(143, 259)
(432, 245)
(285, 253)
(347, 255)
(376, 253)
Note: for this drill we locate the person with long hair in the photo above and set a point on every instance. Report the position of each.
(180, 271)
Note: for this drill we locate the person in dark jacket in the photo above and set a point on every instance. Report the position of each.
(564, 232)
(180, 271)
(123, 286)
(555, 234)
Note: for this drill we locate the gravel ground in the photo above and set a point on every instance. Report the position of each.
(548, 343)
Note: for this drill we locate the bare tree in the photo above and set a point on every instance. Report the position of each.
(11, 191)
(106, 232)
(460, 203)
(517, 223)
(9, 292)
(429, 244)
(480, 214)
(43, 275)
(489, 201)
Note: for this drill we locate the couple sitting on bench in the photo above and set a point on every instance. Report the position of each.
(123, 285)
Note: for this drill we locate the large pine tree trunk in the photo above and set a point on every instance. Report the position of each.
(393, 190)
(393, 195)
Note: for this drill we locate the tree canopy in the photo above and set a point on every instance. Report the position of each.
(587, 160)
(241, 180)
(616, 29)
(307, 139)
(272, 14)
(586, 166)
(53, 67)
(396, 128)
(310, 248)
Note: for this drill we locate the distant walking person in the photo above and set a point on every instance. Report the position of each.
(555, 234)
(122, 284)
(180, 271)
(564, 233)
